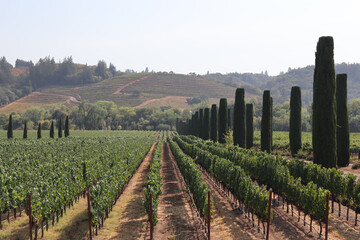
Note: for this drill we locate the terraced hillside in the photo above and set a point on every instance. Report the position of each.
(145, 89)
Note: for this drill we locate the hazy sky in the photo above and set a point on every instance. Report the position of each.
(182, 36)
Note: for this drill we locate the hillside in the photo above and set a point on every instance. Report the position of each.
(144, 89)
(280, 85)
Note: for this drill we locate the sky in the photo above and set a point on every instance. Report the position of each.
(180, 35)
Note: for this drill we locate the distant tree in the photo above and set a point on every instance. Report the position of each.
(249, 125)
(146, 69)
(112, 69)
(342, 129)
(39, 131)
(196, 124)
(66, 132)
(10, 128)
(324, 105)
(266, 122)
(201, 123)
(60, 129)
(295, 120)
(52, 129)
(100, 69)
(214, 123)
(223, 120)
(25, 131)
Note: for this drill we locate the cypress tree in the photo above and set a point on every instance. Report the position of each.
(342, 129)
(193, 130)
(10, 128)
(266, 122)
(25, 131)
(52, 129)
(223, 120)
(214, 123)
(60, 129)
(201, 123)
(249, 125)
(239, 122)
(295, 120)
(66, 132)
(206, 123)
(324, 105)
(271, 123)
(39, 131)
(196, 124)
(229, 120)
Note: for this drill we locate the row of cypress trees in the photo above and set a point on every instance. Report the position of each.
(60, 131)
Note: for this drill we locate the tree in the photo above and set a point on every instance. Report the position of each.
(52, 129)
(249, 125)
(342, 129)
(206, 124)
(10, 128)
(295, 120)
(266, 122)
(324, 105)
(66, 132)
(196, 124)
(100, 69)
(60, 129)
(112, 69)
(239, 133)
(213, 123)
(201, 123)
(39, 131)
(223, 120)
(229, 120)
(25, 131)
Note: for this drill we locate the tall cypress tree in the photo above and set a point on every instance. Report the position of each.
(66, 132)
(39, 131)
(266, 122)
(60, 129)
(201, 123)
(25, 131)
(271, 123)
(239, 122)
(324, 105)
(196, 124)
(223, 120)
(249, 125)
(10, 128)
(193, 130)
(214, 123)
(206, 123)
(295, 120)
(229, 120)
(52, 129)
(342, 130)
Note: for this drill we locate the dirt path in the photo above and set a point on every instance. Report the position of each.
(128, 219)
(176, 218)
(228, 222)
(128, 84)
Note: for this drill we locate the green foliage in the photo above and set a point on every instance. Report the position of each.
(249, 125)
(222, 120)
(266, 123)
(214, 124)
(295, 120)
(201, 123)
(342, 127)
(324, 105)
(239, 118)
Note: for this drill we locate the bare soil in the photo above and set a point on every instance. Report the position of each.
(177, 219)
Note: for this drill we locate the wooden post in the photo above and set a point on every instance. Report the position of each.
(209, 214)
(327, 216)
(89, 212)
(30, 216)
(151, 218)
(268, 217)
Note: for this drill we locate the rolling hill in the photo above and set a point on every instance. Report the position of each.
(143, 90)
